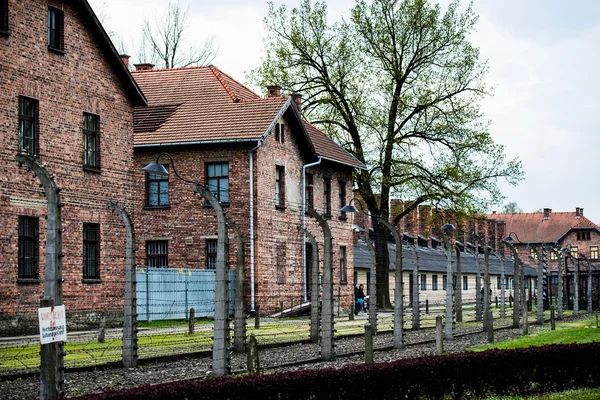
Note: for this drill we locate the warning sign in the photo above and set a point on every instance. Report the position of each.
(53, 324)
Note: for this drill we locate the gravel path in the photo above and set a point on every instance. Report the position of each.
(80, 383)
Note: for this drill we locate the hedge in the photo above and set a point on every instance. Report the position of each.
(474, 375)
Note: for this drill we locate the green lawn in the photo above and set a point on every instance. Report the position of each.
(580, 331)
(580, 394)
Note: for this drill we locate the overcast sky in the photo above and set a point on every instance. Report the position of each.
(543, 57)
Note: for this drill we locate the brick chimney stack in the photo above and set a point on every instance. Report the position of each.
(144, 67)
(273, 91)
(578, 212)
(125, 59)
(547, 212)
(297, 98)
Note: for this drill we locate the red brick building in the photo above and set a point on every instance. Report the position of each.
(67, 99)
(254, 153)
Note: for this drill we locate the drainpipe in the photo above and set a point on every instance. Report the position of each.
(304, 167)
(252, 224)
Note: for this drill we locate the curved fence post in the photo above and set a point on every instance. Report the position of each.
(130, 323)
(52, 375)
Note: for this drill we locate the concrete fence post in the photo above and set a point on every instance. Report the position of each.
(315, 316)
(526, 319)
(130, 322)
(54, 355)
(257, 316)
(192, 321)
(239, 318)
(48, 364)
(552, 318)
(252, 358)
(490, 326)
(439, 336)
(369, 356)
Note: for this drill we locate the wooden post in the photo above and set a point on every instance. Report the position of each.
(526, 319)
(102, 330)
(368, 344)
(339, 300)
(496, 301)
(351, 315)
(439, 336)
(426, 306)
(257, 316)
(192, 321)
(552, 318)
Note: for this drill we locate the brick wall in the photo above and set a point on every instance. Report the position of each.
(65, 85)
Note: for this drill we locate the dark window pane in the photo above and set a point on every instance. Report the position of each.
(28, 248)
(27, 125)
(91, 251)
(217, 180)
(90, 140)
(55, 28)
(4, 15)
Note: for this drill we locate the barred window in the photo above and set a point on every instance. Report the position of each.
(465, 283)
(423, 282)
(211, 253)
(28, 248)
(91, 251)
(157, 253)
(434, 282)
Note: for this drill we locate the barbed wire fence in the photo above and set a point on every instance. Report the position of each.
(175, 307)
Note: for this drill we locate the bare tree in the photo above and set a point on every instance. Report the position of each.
(164, 44)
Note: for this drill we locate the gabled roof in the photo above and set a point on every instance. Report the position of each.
(198, 105)
(112, 55)
(534, 228)
(434, 260)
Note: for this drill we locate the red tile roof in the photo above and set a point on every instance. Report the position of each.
(203, 104)
(533, 228)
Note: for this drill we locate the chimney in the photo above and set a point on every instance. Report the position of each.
(547, 212)
(494, 212)
(125, 59)
(273, 91)
(297, 98)
(578, 212)
(144, 67)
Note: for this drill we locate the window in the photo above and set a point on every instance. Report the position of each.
(280, 263)
(4, 16)
(157, 253)
(594, 252)
(217, 175)
(533, 254)
(279, 186)
(434, 282)
(498, 283)
(308, 190)
(553, 254)
(28, 248)
(90, 141)
(211, 253)
(343, 265)
(342, 198)
(327, 197)
(280, 133)
(444, 282)
(423, 282)
(55, 29)
(574, 251)
(584, 235)
(157, 190)
(465, 283)
(28, 116)
(91, 251)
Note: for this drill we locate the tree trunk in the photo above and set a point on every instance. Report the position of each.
(383, 262)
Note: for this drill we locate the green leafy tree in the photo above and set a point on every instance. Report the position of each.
(399, 86)
(512, 208)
